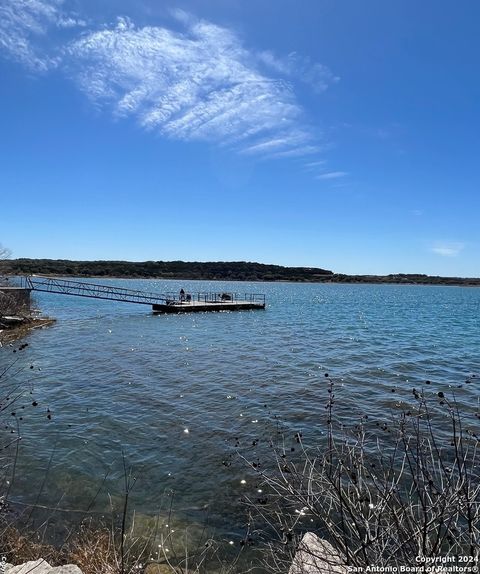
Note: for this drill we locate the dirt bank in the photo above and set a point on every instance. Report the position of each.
(13, 331)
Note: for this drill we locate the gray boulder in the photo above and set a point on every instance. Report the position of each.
(317, 556)
(66, 569)
(41, 566)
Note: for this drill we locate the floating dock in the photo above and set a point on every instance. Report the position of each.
(179, 302)
(198, 302)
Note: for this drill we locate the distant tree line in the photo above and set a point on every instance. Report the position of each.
(225, 271)
(406, 278)
(219, 270)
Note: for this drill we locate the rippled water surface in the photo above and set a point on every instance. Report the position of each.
(118, 379)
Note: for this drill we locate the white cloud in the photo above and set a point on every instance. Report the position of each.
(70, 22)
(448, 249)
(196, 85)
(298, 151)
(332, 175)
(282, 143)
(22, 20)
(318, 76)
(200, 83)
(315, 164)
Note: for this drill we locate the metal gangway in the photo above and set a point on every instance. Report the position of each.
(158, 301)
(92, 290)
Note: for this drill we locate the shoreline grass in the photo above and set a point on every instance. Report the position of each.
(383, 498)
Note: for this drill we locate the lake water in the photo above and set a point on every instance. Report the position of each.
(116, 378)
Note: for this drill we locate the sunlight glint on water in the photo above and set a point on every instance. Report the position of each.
(177, 393)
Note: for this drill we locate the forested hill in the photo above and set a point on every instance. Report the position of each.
(225, 271)
(231, 271)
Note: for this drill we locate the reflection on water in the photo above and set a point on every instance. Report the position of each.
(178, 394)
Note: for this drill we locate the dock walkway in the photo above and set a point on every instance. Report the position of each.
(160, 302)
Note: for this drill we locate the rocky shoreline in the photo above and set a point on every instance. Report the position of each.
(314, 556)
(13, 328)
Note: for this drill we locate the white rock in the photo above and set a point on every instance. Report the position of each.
(39, 566)
(66, 569)
(317, 556)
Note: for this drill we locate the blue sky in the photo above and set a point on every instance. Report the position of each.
(330, 133)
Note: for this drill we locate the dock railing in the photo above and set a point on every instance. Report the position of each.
(115, 293)
(92, 290)
(214, 297)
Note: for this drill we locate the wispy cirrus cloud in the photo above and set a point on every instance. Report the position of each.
(318, 76)
(448, 249)
(332, 175)
(197, 83)
(315, 164)
(22, 22)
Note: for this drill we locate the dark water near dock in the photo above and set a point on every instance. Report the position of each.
(177, 393)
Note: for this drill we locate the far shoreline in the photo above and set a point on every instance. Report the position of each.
(436, 282)
(222, 271)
